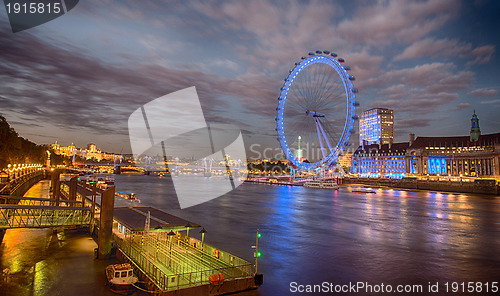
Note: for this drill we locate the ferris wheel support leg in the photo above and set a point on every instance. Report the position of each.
(326, 139)
(318, 126)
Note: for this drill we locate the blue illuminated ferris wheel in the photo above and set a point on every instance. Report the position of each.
(316, 111)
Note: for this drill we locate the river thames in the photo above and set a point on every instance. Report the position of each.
(315, 236)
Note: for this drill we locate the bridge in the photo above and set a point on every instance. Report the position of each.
(207, 167)
(38, 212)
(37, 216)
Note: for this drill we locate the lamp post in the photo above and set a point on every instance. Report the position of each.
(170, 235)
(257, 253)
(48, 159)
(203, 231)
(158, 229)
(188, 225)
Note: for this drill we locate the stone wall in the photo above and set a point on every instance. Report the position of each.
(450, 186)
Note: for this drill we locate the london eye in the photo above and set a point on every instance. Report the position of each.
(316, 111)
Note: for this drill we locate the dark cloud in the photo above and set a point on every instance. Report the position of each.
(236, 54)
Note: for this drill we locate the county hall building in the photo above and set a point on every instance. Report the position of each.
(474, 155)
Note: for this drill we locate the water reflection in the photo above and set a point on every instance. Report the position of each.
(314, 235)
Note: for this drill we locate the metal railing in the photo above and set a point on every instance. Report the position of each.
(15, 185)
(35, 201)
(79, 197)
(173, 264)
(35, 216)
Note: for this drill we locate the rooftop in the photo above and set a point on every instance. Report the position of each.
(134, 218)
(458, 141)
(385, 148)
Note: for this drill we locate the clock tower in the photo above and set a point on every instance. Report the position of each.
(475, 132)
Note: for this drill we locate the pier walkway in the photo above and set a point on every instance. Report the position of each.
(40, 212)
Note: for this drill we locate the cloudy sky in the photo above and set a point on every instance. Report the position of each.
(79, 77)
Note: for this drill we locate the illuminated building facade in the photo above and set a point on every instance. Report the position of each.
(376, 126)
(90, 153)
(474, 156)
(344, 160)
(455, 156)
(63, 150)
(380, 161)
(93, 153)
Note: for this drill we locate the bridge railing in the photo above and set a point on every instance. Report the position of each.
(20, 185)
(31, 216)
(35, 201)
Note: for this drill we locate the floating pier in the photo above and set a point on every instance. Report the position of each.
(171, 261)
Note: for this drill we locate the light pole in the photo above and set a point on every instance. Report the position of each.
(48, 159)
(158, 229)
(203, 231)
(257, 253)
(188, 225)
(171, 236)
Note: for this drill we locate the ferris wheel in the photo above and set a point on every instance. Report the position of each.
(316, 111)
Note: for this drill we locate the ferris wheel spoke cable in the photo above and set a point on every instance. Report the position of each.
(323, 75)
(325, 82)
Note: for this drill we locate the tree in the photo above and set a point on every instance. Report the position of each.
(15, 149)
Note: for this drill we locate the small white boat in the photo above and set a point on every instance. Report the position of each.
(322, 185)
(363, 190)
(121, 278)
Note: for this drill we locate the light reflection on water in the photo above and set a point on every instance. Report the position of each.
(314, 235)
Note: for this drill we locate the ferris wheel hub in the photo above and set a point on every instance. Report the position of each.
(314, 113)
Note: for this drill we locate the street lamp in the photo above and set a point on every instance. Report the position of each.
(170, 234)
(188, 225)
(203, 231)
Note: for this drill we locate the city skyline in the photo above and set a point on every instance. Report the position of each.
(432, 62)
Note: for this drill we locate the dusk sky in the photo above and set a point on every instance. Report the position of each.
(79, 77)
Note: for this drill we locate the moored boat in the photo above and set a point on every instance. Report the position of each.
(363, 190)
(103, 181)
(127, 195)
(322, 185)
(121, 278)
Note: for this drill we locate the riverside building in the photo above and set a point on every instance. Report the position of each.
(453, 158)
(376, 126)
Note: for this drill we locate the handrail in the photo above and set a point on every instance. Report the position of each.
(172, 268)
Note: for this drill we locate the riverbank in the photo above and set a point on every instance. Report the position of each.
(478, 186)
